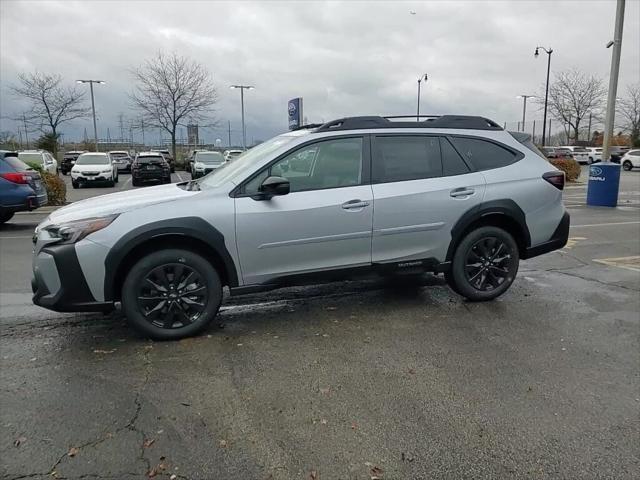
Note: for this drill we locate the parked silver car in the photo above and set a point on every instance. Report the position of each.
(454, 195)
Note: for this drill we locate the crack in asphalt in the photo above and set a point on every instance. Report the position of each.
(130, 425)
(563, 271)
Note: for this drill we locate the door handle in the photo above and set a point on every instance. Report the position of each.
(354, 204)
(462, 192)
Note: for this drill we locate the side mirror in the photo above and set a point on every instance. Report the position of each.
(274, 186)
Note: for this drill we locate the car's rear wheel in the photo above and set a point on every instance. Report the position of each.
(74, 184)
(485, 264)
(5, 217)
(627, 165)
(171, 294)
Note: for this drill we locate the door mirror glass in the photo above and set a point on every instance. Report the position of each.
(273, 186)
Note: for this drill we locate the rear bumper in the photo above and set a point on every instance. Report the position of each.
(558, 240)
(58, 282)
(28, 203)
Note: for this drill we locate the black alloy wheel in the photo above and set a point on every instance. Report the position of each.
(171, 294)
(485, 264)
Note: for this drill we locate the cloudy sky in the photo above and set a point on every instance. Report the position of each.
(344, 58)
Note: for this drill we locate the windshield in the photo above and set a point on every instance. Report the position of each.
(119, 155)
(230, 169)
(88, 159)
(213, 158)
(30, 157)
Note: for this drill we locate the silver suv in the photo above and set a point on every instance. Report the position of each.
(456, 195)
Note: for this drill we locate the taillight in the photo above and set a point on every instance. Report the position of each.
(15, 177)
(555, 178)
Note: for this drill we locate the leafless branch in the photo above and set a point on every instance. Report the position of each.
(629, 112)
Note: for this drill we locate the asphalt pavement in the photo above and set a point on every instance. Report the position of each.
(388, 379)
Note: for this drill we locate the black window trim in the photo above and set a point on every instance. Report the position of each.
(238, 192)
(518, 155)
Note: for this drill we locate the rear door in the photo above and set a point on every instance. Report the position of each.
(323, 224)
(421, 187)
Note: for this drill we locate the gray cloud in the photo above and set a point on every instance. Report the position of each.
(345, 58)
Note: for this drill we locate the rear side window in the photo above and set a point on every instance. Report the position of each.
(452, 163)
(483, 155)
(398, 158)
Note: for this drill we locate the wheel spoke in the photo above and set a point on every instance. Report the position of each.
(148, 299)
(197, 291)
(157, 287)
(493, 269)
(498, 250)
(472, 279)
(186, 281)
(161, 273)
(168, 320)
(185, 315)
(193, 303)
(178, 272)
(155, 310)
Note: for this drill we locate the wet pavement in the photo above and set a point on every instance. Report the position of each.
(394, 379)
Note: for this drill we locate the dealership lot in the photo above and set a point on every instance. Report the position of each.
(389, 379)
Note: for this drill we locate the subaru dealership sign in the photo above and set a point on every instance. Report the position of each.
(295, 113)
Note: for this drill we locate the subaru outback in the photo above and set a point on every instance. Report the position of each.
(453, 195)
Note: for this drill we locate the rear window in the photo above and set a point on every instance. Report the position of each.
(150, 159)
(399, 158)
(213, 158)
(16, 164)
(30, 157)
(483, 155)
(119, 155)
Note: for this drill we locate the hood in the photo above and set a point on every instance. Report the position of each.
(118, 202)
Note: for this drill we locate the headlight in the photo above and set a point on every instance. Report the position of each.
(107, 170)
(199, 166)
(72, 232)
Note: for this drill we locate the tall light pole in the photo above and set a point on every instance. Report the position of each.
(420, 78)
(93, 106)
(244, 130)
(524, 107)
(613, 80)
(546, 93)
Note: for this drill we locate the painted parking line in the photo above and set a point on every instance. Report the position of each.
(604, 224)
(628, 263)
(179, 177)
(125, 183)
(16, 236)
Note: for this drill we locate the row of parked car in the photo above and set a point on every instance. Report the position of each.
(588, 155)
(202, 162)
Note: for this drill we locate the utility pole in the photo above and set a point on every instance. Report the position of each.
(229, 125)
(546, 93)
(613, 80)
(524, 108)
(142, 127)
(121, 123)
(589, 131)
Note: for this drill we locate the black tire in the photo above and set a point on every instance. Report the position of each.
(111, 183)
(74, 184)
(627, 165)
(5, 217)
(173, 169)
(135, 183)
(153, 278)
(485, 264)
(116, 179)
(448, 276)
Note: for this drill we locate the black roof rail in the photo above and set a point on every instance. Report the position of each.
(468, 122)
(308, 125)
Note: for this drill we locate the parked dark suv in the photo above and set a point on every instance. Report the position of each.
(150, 167)
(69, 160)
(168, 157)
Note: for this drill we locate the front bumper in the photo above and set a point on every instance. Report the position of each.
(58, 282)
(102, 177)
(557, 241)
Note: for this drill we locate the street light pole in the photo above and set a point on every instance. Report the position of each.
(524, 107)
(93, 106)
(546, 93)
(422, 77)
(244, 131)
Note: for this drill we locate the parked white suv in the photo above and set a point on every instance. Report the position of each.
(595, 154)
(631, 159)
(580, 154)
(363, 195)
(94, 167)
(40, 157)
(206, 162)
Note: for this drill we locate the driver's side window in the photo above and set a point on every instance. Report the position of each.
(326, 164)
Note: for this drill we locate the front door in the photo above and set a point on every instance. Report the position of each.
(324, 223)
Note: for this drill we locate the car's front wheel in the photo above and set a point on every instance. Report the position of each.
(627, 165)
(171, 294)
(74, 184)
(5, 217)
(485, 264)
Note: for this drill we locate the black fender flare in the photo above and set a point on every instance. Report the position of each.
(505, 208)
(194, 228)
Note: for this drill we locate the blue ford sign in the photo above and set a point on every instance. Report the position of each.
(295, 113)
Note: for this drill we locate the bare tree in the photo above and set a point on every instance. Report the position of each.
(629, 111)
(170, 90)
(574, 95)
(51, 103)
